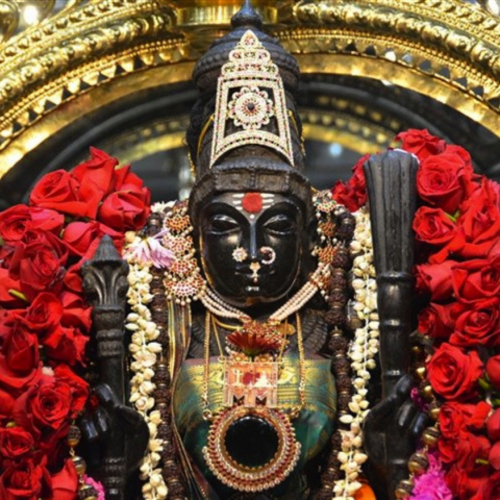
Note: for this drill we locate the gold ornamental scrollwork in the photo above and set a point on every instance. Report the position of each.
(445, 49)
(449, 31)
(74, 53)
(94, 52)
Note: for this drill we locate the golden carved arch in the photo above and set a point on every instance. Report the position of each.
(94, 53)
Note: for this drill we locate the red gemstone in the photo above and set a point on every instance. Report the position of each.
(252, 203)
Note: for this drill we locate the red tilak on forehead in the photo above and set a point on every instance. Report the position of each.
(252, 203)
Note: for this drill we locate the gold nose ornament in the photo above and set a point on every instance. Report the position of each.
(255, 268)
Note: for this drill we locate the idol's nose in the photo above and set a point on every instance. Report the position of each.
(253, 246)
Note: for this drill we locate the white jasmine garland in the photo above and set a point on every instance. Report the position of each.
(362, 353)
(144, 349)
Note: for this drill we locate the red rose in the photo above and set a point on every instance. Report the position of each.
(73, 279)
(44, 219)
(344, 194)
(44, 407)
(493, 370)
(17, 220)
(445, 180)
(6, 406)
(97, 175)
(490, 489)
(77, 312)
(421, 143)
(8, 319)
(352, 194)
(358, 181)
(453, 417)
(462, 153)
(453, 373)
(433, 226)
(479, 324)
(20, 347)
(478, 417)
(123, 177)
(25, 480)
(14, 222)
(476, 279)
(466, 482)
(79, 388)
(471, 447)
(438, 320)
(39, 264)
(8, 284)
(435, 279)
(15, 442)
(59, 190)
(493, 426)
(43, 315)
(19, 359)
(65, 482)
(480, 220)
(457, 417)
(494, 456)
(83, 238)
(127, 209)
(66, 344)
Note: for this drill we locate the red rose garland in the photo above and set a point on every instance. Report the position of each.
(457, 231)
(44, 320)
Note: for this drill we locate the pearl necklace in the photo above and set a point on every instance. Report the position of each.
(219, 307)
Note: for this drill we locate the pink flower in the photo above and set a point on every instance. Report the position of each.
(431, 485)
(151, 251)
(96, 485)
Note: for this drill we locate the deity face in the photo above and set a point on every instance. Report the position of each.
(252, 246)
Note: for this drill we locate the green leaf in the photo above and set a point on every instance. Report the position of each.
(18, 295)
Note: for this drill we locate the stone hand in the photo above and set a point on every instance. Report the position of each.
(98, 425)
(391, 431)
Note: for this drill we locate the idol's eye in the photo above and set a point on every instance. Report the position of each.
(280, 224)
(222, 224)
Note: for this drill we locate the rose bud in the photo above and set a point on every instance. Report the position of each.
(493, 371)
(494, 456)
(493, 426)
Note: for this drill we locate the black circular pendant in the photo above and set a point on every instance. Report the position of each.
(251, 449)
(251, 441)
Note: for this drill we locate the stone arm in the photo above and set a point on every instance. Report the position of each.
(393, 425)
(122, 432)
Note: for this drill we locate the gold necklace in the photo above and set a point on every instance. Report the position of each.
(246, 402)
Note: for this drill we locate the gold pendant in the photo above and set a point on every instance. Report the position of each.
(250, 383)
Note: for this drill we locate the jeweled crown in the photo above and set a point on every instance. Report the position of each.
(250, 95)
(245, 130)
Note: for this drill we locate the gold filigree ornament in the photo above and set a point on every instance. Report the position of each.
(250, 94)
(182, 279)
